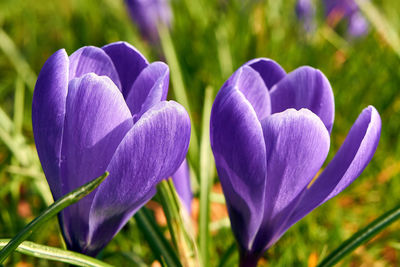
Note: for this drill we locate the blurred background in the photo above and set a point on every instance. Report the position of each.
(211, 39)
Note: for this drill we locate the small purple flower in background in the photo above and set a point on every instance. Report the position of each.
(104, 109)
(181, 179)
(305, 12)
(270, 134)
(148, 14)
(336, 10)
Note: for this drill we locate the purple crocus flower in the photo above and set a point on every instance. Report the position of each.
(148, 14)
(104, 109)
(270, 135)
(335, 10)
(181, 179)
(305, 12)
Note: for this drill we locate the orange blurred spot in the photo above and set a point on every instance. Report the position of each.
(218, 210)
(346, 201)
(312, 260)
(262, 262)
(53, 241)
(340, 58)
(389, 171)
(156, 264)
(158, 212)
(195, 215)
(390, 254)
(24, 209)
(23, 264)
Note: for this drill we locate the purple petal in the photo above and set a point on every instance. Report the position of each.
(92, 59)
(181, 179)
(305, 12)
(305, 87)
(48, 112)
(348, 163)
(358, 25)
(297, 144)
(239, 151)
(250, 83)
(151, 151)
(128, 61)
(148, 14)
(341, 7)
(150, 87)
(96, 121)
(110, 226)
(270, 71)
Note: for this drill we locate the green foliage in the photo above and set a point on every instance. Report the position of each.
(210, 39)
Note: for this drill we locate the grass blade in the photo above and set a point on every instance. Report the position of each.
(380, 23)
(361, 237)
(47, 214)
(55, 254)
(161, 247)
(178, 224)
(19, 106)
(179, 89)
(227, 255)
(206, 175)
(23, 69)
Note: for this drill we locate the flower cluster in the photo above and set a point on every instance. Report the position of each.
(105, 109)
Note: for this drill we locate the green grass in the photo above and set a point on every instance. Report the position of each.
(211, 39)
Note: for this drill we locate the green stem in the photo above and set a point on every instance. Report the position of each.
(162, 248)
(361, 237)
(55, 254)
(206, 175)
(179, 89)
(178, 226)
(47, 214)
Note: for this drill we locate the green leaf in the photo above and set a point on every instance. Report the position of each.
(178, 224)
(22, 67)
(206, 175)
(381, 24)
(227, 255)
(47, 214)
(361, 237)
(161, 247)
(179, 89)
(55, 254)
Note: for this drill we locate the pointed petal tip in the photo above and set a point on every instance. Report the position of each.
(270, 71)
(123, 45)
(128, 61)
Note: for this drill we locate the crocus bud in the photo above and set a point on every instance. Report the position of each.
(148, 14)
(270, 135)
(104, 109)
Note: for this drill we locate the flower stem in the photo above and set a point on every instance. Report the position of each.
(206, 178)
(162, 249)
(179, 90)
(248, 259)
(178, 224)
